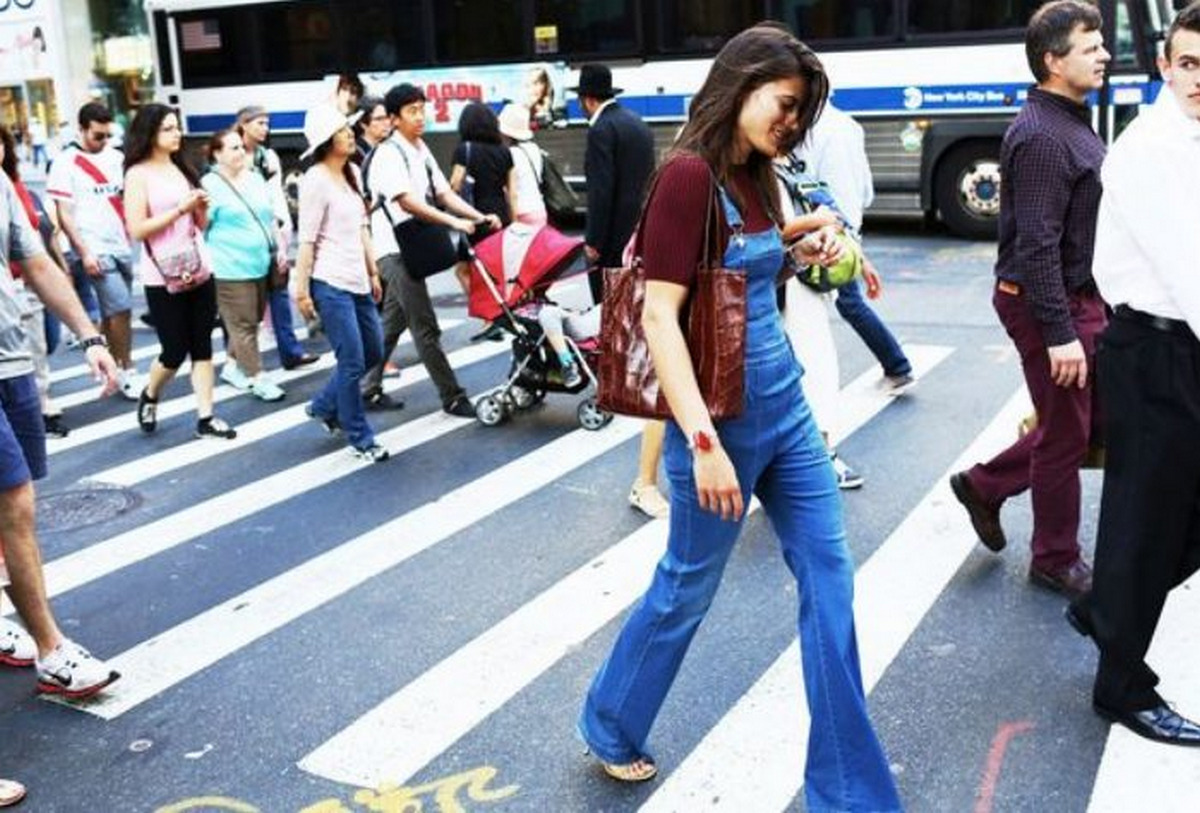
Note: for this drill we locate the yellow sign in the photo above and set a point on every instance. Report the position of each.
(545, 39)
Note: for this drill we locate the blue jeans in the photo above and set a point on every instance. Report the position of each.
(289, 346)
(779, 455)
(352, 326)
(871, 329)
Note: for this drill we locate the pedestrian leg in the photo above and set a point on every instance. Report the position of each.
(871, 329)
(427, 335)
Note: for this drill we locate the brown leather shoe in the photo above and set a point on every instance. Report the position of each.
(1072, 581)
(984, 518)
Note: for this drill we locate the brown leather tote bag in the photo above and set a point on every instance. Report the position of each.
(714, 321)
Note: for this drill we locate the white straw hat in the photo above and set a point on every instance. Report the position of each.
(514, 122)
(321, 123)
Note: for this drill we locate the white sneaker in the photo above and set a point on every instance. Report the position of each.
(232, 375)
(265, 389)
(130, 384)
(847, 478)
(646, 498)
(70, 671)
(17, 647)
(895, 385)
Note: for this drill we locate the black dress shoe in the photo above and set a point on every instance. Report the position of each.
(379, 401)
(300, 361)
(984, 518)
(1161, 724)
(1079, 620)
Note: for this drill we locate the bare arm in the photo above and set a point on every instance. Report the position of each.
(458, 174)
(510, 189)
(66, 219)
(431, 214)
(716, 480)
(372, 268)
(138, 219)
(456, 204)
(302, 273)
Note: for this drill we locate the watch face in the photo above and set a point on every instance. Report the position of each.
(702, 442)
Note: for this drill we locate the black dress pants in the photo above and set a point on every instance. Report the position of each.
(1149, 535)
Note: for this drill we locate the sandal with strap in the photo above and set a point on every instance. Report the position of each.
(10, 792)
(640, 770)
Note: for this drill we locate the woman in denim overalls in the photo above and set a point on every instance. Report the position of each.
(764, 90)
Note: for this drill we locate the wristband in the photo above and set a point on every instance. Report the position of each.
(93, 341)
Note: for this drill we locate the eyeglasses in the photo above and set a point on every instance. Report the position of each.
(380, 117)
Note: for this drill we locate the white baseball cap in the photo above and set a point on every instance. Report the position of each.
(322, 123)
(514, 122)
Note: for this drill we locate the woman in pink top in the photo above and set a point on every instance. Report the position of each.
(335, 276)
(166, 209)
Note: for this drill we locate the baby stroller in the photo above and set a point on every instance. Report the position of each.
(512, 269)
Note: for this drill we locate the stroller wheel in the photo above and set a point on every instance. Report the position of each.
(490, 411)
(591, 416)
(524, 399)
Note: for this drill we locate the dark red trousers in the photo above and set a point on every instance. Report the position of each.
(1046, 461)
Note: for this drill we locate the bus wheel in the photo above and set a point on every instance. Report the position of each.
(967, 189)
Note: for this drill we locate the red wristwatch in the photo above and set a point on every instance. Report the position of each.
(702, 441)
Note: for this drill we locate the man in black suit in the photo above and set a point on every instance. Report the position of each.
(619, 161)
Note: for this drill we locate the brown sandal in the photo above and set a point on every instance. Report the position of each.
(11, 792)
(640, 770)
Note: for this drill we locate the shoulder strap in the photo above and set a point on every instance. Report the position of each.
(250, 209)
(537, 175)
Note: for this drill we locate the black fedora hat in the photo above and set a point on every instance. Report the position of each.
(596, 80)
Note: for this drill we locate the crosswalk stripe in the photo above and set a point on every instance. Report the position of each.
(138, 354)
(754, 758)
(178, 653)
(176, 406)
(1135, 773)
(395, 740)
(145, 468)
(116, 553)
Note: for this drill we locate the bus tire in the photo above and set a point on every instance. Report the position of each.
(967, 189)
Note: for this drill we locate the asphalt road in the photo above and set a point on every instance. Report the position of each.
(299, 631)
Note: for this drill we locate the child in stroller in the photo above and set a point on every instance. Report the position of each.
(554, 347)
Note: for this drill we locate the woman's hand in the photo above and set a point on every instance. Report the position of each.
(193, 200)
(872, 279)
(376, 289)
(821, 247)
(717, 485)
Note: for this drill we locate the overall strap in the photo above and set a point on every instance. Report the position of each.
(732, 216)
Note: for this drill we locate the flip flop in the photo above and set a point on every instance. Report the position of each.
(11, 792)
(640, 770)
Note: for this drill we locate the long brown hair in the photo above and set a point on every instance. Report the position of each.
(764, 53)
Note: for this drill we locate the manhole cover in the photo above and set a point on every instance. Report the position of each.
(83, 506)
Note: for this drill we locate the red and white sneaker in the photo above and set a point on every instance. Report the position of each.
(70, 671)
(17, 647)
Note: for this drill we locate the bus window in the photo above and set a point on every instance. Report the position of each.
(597, 27)
(479, 30)
(382, 35)
(958, 16)
(700, 26)
(297, 39)
(213, 47)
(824, 20)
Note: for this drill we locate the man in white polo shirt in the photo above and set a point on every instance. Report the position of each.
(86, 183)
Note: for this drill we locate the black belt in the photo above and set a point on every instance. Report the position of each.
(1177, 327)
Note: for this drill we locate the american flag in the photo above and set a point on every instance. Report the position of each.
(200, 35)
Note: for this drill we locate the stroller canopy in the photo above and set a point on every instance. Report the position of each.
(515, 261)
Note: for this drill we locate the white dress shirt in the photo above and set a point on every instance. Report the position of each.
(835, 153)
(1148, 232)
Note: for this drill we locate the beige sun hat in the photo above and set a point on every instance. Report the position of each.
(514, 122)
(322, 123)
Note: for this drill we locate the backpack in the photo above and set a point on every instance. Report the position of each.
(560, 199)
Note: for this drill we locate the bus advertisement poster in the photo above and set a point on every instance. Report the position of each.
(541, 86)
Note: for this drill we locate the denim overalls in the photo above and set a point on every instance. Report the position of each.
(779, 456)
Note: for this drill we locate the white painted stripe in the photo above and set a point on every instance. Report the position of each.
(1135, 773)
(396, 739)
(115, 553)
(754, 758)
(176, 406)
(139, 354)
(155, 465)
(175, 655)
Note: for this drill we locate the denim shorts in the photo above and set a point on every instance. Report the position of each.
(22, 432)
(114, 290)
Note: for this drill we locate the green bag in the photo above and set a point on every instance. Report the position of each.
(828, 278)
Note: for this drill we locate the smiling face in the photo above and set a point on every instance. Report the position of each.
(342, 144)
(231, 157)
(1081, 69)
(769, 117)
(1182, 72)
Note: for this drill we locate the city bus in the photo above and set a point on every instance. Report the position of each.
(933, 82)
